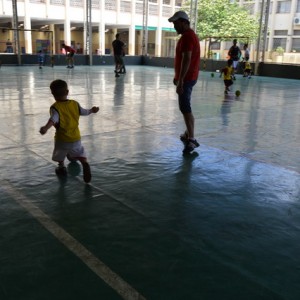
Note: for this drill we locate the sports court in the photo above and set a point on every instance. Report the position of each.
(220, 223)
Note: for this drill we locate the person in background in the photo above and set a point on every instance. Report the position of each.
(70, 55)
(41, 59)
(187, 62)
(78, 48)
(9, 47)
(118, 48)
(235, 54)
(247, 69)
(246, 52)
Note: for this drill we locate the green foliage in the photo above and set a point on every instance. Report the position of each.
(279, 50)
(220, 18)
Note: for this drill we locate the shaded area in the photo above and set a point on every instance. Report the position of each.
(221, 223)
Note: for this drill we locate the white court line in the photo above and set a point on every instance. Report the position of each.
(97, 266)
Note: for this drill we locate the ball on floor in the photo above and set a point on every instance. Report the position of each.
(237, 93)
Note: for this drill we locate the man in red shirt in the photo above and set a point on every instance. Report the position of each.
(187, 62)
(69, 53)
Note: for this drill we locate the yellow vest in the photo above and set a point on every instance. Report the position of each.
(247, 65)
(229, 72)
(67, 129)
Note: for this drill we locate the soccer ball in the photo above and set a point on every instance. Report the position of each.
(237, 93)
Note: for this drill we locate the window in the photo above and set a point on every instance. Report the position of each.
(296, 44)
(283, 7)
(298, 6)
(279, 42)
(166, 2)
(296, 32)
(280, 32)
(215, 46)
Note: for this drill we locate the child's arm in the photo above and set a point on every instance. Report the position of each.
(86, 112)
(45, 128)
(94, 109)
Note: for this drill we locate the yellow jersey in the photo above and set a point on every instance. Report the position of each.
(228, 72)
(67, 129)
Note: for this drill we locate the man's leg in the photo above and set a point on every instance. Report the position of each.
(189, 123)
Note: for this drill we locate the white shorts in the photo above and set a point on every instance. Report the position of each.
(61, 149)
(235, 63)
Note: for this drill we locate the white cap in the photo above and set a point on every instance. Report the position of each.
(179, 15)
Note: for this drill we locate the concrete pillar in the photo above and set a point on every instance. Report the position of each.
(27, 25)
(131, 37)
(51, 28)
(101, 29)
(158, 33)
(67, 24)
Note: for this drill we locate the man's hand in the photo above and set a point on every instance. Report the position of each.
(179, 88)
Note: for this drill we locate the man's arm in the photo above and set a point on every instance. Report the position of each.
(185, 64)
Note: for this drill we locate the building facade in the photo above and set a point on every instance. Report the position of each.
(46, 24)
(42, 21)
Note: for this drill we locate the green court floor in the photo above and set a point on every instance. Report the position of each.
(221, 223)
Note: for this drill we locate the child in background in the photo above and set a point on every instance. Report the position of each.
(228, 74)
(247, 69)
(246, 52)
(64, 116)
(41, 57)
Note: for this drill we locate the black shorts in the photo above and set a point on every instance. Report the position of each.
(119, 60)
(70, 54)
(228, 82)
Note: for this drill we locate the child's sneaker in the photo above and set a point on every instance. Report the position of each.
(191, 145)
(61, 171)
(87, 176)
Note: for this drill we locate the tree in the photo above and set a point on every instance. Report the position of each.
(224, 19)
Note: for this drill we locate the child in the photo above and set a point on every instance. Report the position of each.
(228, 75)
(64, 116)
(247, 69)
(246, 52)
(41, 58)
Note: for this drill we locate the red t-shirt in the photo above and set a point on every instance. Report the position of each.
(188, 42)
(69, 49)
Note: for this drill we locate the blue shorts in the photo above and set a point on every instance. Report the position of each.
(185, 98)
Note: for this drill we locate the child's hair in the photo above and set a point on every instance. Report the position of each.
(58, 88)
(229, 62)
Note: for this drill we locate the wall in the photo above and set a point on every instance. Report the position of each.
(265, 69)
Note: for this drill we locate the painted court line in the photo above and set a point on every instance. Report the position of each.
(97, 266)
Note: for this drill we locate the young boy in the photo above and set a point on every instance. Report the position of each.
(64, 116)
(41, 57)
(247, 69)
(228, 72)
